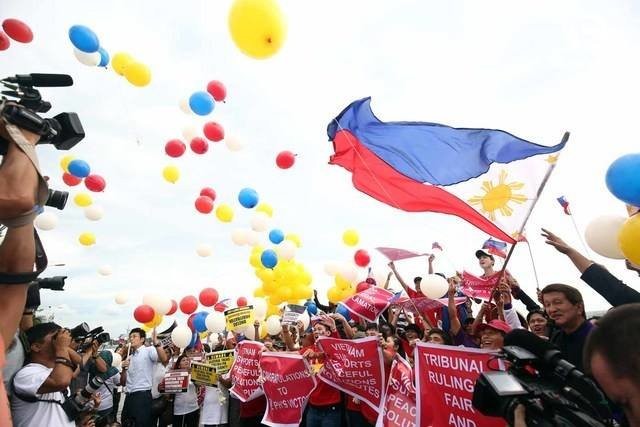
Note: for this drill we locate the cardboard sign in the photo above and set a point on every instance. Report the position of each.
(399, 407)
(221, 360)
(354, 367)
(292, 314)
(245, 371)
(287, 386)
(370, 303)
(445, 378)
(176, 381)
(204, 374)
(166, 342)
(239, 318)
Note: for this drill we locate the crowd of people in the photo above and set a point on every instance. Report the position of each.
(54, 379)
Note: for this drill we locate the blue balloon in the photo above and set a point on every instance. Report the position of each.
(312, 308)
(79, 168)
(201, 103)
(199, 321)
(341, 309)
(194, 340)
(84, 39)
(104, 57)
(276, 236)
(623, 179)
(269, 258)
(248, 198)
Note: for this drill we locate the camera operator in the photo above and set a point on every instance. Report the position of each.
(137, 375)
(90, 359)
(39, 388)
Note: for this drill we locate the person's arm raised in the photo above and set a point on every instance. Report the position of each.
(62, 373)
(454, 322)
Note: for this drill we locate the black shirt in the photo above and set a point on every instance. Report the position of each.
(571, 345)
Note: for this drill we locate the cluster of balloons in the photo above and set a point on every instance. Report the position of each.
(257, 27)
(76, 171)
(136, 73)
(16, 30)
(204, 202)
(613, 236)
(203, 102)
(86, 47)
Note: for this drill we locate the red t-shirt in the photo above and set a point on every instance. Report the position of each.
(253, 408)
(323, 394)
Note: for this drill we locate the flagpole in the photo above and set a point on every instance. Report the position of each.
(533, 264)
(575, 226)
(551, 168)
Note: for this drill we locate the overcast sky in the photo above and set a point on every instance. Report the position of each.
(533, 68)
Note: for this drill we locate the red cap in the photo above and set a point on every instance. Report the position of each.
(497, 324)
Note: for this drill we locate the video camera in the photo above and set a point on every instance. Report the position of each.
(62, 131)
(86, 336)
(55, 283)
(551, 389)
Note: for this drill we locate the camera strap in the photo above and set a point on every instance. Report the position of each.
(33, 399)
(24, 278)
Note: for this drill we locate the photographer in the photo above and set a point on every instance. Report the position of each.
(40, 387)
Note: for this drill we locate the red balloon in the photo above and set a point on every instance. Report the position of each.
(175, 148)
(213, 131)
(71, 180)
(242, 302)
(362, 258)
(143, 313)
(95, 183)
(188, 304)
(209, 192)
(190, 322)
(219, 307)
(204, 204)
(199, 145)
(17, 30)
(285, 159)
(217, 90)
(208, 297)
(174, 307)
(4, 41)
(362, 286)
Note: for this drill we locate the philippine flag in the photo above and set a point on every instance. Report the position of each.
(488, 177)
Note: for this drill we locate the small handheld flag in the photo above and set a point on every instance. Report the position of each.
(436, 245)
(565, 204)
(495, 247)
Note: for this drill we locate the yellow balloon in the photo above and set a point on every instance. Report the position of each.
(270, 287)
(629, 239)
(64, 162)
(294, 238)
(87, 239)
(83, 200)
(171, 173)
(145, 328)
(333, 294)
(350, 237)
(254, 260)
(257, 27)
(137, 74)
(273, 309)
(265, 208)
(263, 329)
(284, 292)
(120, 62)
(341, 282)
(224, 213)
(157, 319)
(259, 292)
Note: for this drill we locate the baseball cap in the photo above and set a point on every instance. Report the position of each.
(481, 253)
(497, 324)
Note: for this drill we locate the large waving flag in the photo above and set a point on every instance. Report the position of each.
(490, 178)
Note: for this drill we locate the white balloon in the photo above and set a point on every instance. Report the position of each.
(602, 235)
(181, 336)
(233, 143)
(254, 238)
(94, 212)
(184, 106)
(273, 325)
(348, 271)
(305, 319)
(286, 249)
(259, 308)
(122, 297)
(46, 221)
(116, 360)
(105, 270)
(259, 221)
(91, 59)
(240, 236)
(331, 268)
(215, 322)
(161, 305)
(434, 286)
(204, 250)
(189, 132)
(249, 331)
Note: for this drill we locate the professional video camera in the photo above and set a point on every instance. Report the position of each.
(86, 336)
(62, 131)
(55, 283)
(552, 390)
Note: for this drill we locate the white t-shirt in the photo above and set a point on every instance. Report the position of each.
(215, 408)
(187, 402)
(38, 414)
(158, 374)
(106, 392)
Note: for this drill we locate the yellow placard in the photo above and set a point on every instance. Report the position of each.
(202, 373)
(221, 360)
(238, 318)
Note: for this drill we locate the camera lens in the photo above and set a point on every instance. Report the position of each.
(57, 199)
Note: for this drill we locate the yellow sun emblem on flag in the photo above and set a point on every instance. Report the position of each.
(496, 198)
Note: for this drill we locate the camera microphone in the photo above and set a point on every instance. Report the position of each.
(41, 80)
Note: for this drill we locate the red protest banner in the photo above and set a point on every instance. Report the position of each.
(354, 367)
(399, 407)
(288, 382)
(477, 287)
(396, 254)
(175, 381)
(444, 385)
(369, 303)
(244, 372)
